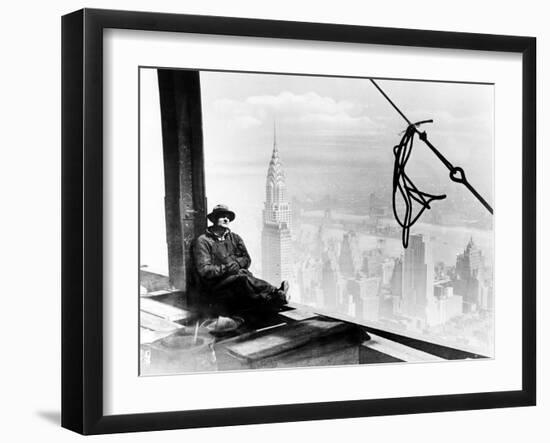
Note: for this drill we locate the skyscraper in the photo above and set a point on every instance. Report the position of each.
(469, 277)
(319, 242)
(364, 292)
(418, 279)
(309, 277)
(276, 232)
(332, 285)
(349, 256)
(469, 263)
(446, 304)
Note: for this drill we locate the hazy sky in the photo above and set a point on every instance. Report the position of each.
(341, 121)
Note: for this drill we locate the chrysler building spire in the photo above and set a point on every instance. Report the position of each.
(277, 207)
(276, 234)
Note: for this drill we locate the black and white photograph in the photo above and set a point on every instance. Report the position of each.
(294, 221)
(274, 222)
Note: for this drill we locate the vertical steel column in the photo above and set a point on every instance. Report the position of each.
(182, 140)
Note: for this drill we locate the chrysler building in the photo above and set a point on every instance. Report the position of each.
(276, 232)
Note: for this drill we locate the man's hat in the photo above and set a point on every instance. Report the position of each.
(220, 211)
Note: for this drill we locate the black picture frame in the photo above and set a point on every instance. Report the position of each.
(82, 218)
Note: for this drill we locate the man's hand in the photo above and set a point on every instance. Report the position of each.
(232, 268)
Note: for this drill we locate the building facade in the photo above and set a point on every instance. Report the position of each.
(417, 280)
(469, 281)
(277, 216)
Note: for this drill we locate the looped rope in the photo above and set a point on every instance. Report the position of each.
(406, 188)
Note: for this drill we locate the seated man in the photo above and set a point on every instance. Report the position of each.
(222, 262)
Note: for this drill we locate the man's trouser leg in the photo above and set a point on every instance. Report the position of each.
(244, 286)
(257, 288)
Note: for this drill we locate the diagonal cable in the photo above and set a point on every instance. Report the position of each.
(456, 173)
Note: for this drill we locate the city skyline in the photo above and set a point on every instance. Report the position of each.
(336, 136)
(330, 162)
(407, 291)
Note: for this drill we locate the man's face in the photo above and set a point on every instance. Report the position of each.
(223, 221)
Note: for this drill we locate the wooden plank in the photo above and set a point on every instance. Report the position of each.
(327, 351)
(398, 350)
(147, 336)
(155, 323)
(371, 356)
(297, 314)
(271, 342)
(159, 293)
(153, 280)
(163, 310)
